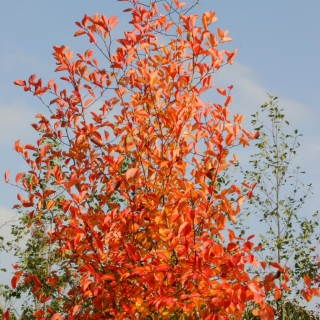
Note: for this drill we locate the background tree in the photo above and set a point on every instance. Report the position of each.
(35, 255)
(287, 234)
(134, 207)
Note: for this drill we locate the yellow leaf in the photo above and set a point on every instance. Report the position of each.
(50, 204)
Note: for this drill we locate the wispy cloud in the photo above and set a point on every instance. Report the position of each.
(249, 93)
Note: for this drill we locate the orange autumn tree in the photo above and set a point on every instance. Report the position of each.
(137, 210)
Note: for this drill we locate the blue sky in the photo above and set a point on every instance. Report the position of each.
(278, 47)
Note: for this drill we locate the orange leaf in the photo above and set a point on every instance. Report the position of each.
(19, 176)
(316, 292)
(56, 316)
(6, 176)
(263, 264)
(222, 91)
(79, 33)
(166, 7)
(113, 185)
(307, 296)
(97, 141)
(277, 294)
(267, 313)
(286, 277)
(231, 235)
(75, 309)
(254, 287)
(228, 100)
(131, 172)
(220, 33)
(204, 22)
(20, 83)
(45, 149)
(107, 277)
(307, 280)
(92, 38)
(88, 102)
(240, 200)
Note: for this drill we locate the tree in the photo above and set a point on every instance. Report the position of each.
(288, 235)
(135, 211)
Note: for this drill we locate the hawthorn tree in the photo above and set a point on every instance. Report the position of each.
(132, 209)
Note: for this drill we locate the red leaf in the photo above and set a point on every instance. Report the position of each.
(285, 287)
(277, 266)
(65, 79)
(162, 267)
(182, 250)
(15, 279)
(6, 315)
(185, 229)
(37, 281)
(30, 147)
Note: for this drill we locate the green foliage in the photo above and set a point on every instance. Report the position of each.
(293, 310)
(36, 255)
(287, 234)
